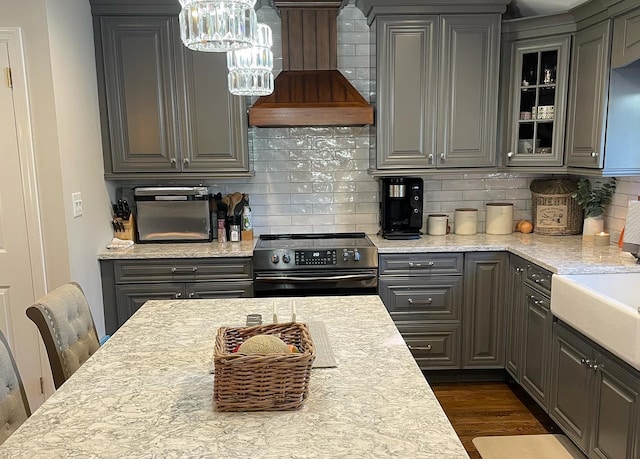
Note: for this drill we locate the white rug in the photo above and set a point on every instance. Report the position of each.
(546, 446)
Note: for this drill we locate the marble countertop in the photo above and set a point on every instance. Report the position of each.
(148, 393)
(558, 254)
(185, 250)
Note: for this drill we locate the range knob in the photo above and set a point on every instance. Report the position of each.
(286, 258)
(356, 255)
(345, 255)
(275, 258)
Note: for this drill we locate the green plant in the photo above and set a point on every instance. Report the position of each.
(594, 199)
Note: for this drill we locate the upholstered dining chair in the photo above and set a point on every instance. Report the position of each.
(65, 323)
(14, 407)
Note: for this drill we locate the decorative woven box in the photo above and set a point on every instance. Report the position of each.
(554, 211)
(262, 382)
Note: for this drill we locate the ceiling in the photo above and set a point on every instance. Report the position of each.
(522, 8)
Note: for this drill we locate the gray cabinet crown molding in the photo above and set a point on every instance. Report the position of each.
(538, 26)
(372, 8)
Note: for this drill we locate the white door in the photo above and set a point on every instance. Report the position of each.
(16, 280)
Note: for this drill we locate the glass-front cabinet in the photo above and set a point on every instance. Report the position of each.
(539, 76)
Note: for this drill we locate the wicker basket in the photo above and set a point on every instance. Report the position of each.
(262, 382)
(554, 211)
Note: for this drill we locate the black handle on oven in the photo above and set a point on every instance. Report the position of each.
(316, 278)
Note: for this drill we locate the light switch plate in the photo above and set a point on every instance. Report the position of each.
(76, 198)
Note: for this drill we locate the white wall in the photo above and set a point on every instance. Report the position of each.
(61, 80)
(78, 121)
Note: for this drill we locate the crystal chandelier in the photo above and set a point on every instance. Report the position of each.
(250, 69)
(217, 26)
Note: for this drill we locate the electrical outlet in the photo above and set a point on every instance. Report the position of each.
(76, 198)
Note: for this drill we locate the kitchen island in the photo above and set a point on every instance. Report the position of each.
(148, 392)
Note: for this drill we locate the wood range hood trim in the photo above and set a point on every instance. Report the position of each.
(310, 91)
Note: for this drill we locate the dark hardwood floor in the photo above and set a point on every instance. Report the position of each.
(490, 408)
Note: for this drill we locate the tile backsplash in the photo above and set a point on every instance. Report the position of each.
(628, 189)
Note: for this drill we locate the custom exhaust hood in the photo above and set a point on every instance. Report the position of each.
(310, 91)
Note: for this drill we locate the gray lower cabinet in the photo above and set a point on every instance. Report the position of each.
(166, 110)
(448, 307)
(536, 345)
(529, 327)
(436, 90)
(483, 310)
(423, 294)
(514, 316)
(594, 397)
(128, 284)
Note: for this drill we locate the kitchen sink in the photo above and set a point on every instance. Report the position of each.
(604, 307)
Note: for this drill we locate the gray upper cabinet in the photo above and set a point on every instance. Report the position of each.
(602, 134)
(589, 96)
(407, 90)
(436, 90)
(166, 110)
(626, 39)
(214, 120)
(537, 101)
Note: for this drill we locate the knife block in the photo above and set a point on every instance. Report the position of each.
(129, 232)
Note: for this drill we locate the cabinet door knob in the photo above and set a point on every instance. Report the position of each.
(420, 348)
(186, 162)
(443, 156)
(178, 295)
(430, 158)
(594, 154)
(192, 295)
(510, 155)
(595, 367)
(174, 162)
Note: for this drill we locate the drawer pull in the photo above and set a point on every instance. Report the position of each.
(420, 265)
(178, 295)
(426, 301)
(420, 348)
(192, 295)
(193, 270)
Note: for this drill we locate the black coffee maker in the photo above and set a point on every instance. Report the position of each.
(401, 207)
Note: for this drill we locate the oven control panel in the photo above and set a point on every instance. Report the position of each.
(316, 257)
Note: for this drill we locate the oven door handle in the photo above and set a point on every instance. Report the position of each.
(316, 278)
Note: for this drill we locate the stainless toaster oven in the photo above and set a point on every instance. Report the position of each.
(173, 214)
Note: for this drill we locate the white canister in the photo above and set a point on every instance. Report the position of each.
(466, 221)
(437, 224)
(499, 218)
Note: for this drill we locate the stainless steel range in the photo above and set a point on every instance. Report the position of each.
(315, 264)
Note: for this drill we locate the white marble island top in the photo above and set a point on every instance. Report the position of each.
(148, 393)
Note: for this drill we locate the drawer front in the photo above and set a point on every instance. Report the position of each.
(537, 298)
(433, 346)
(422, 298)
(538, 278)
(182, 270)
(421, 263)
